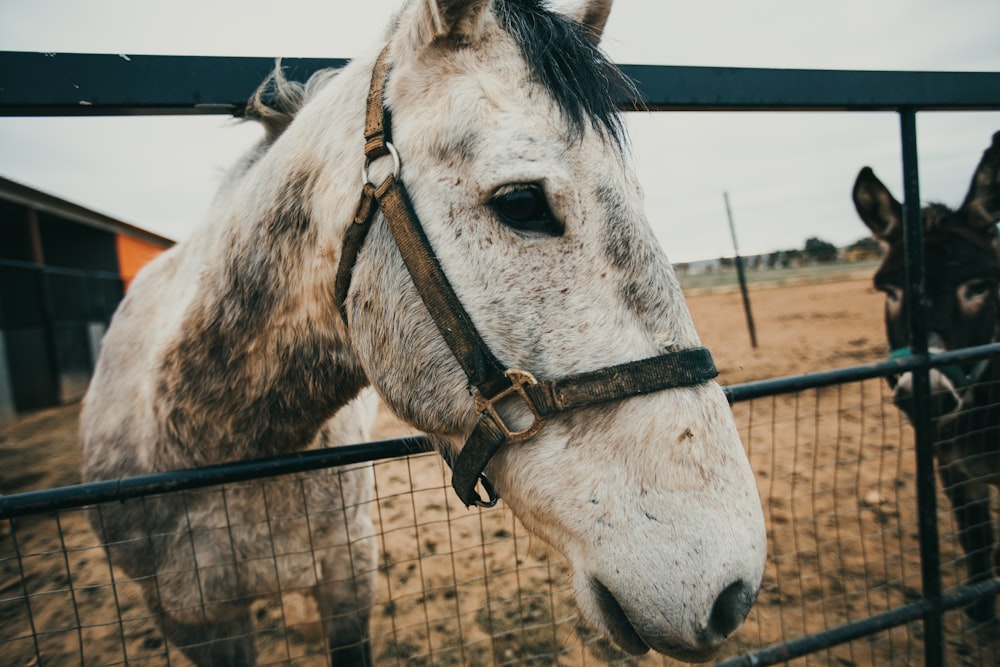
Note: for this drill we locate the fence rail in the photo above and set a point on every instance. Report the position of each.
(76, 84)
(81, 84)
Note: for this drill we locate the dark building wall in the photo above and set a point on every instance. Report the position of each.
(61, 277)
(70, 245)
(59, 284)
(15, 232)
(27, 345)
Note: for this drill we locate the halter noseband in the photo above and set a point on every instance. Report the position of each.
(959, 378)
(490, 379)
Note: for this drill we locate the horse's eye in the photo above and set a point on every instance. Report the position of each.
(524, 208)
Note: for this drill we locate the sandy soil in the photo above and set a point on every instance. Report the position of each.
(834, 468)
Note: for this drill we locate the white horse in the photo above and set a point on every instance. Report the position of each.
(505, 242)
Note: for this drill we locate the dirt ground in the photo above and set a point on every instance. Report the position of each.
(460, 587)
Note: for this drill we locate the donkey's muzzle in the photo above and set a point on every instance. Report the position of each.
(945, 398)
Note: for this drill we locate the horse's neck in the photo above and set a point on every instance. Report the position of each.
(261, 358)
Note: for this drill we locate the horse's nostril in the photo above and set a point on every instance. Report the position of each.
(730, 608)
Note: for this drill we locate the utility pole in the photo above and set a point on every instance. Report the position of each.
(741, 275)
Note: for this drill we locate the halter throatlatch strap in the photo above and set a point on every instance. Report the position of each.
(492, 382)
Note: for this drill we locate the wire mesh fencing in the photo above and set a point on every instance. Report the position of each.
(836, 474)
(453, 586)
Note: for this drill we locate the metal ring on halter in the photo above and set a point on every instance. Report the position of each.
(396, 165)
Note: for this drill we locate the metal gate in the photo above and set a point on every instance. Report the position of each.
(899, 606)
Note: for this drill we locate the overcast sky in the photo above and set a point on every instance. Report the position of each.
(788, 175)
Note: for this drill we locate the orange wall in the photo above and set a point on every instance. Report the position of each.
(133, 254)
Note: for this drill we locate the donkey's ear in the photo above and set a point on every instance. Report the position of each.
(982, 204)
(592, 15)
(876, 206)
(455, 21)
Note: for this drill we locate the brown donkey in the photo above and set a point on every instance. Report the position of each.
(962, 272)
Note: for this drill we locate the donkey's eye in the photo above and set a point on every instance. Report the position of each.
(525, 208)
(892, 292)
(976, 288)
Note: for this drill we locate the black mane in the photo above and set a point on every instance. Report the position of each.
(585, 85)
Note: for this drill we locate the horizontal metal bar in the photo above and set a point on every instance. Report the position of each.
(116, 490)
(963, 355)
(677, 88)
(796, 383)
(785, 651)
(75, 84)
(72, 84)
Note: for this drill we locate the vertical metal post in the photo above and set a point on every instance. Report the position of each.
(43, 282)
(35, 237)
(740, 274)
(913, 239)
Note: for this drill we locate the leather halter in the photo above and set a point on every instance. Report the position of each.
(491, 381)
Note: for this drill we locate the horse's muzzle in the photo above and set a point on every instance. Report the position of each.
(729, 611)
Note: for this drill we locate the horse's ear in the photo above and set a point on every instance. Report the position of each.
(592, 15)
(982, 204)
(456, 21)
(876, 206)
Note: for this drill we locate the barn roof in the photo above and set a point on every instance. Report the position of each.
(40, 201)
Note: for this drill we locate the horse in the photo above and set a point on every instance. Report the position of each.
(493, 277)
(961, 273)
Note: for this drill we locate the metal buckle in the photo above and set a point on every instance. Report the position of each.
(491, 494)
(518, 380)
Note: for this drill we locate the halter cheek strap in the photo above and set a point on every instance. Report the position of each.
(491, 381)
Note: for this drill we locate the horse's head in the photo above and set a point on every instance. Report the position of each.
(961, 274)
(504, 119)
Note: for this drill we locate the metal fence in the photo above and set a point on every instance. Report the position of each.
(848, 581)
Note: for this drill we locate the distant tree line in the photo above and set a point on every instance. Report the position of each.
(815, 251)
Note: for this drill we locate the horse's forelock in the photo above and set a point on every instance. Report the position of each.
(577, 74)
